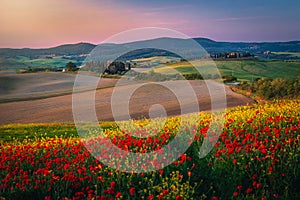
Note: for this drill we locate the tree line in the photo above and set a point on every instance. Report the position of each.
(273, 88)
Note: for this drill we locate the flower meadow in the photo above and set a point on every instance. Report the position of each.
(255, 157)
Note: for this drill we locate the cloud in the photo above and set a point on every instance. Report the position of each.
(238, 18)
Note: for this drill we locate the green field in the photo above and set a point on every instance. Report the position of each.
(20, 132)
(153, 61)
(242, 69)
(292, 54)
(23, 62)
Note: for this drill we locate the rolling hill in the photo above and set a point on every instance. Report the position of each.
(66, 49)
(211, 46)
(60, 55)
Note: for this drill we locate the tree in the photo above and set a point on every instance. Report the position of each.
(71, 67)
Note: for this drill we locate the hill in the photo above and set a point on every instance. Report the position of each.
(260, 49)
(243, 70)
(13, 59)
(67, 49)
(211, 46)
(253, 47)
(60, 55)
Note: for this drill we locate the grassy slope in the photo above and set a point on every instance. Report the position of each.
(292, 54)
(20, 132)
(23, 62)
(242, 69)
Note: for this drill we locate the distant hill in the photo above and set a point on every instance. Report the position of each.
(212, 47)
(253, 47)
(60, 55)
(209, 45)
(67, 49)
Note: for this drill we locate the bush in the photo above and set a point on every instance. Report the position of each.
(277, 88)
(71, 67)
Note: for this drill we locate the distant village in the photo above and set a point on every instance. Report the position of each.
(228, 55)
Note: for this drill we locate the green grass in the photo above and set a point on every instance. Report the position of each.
(154, 61)
(292, 54)
(23, 62)
(157, 59)
(20, 132)
(55, 61)
(242, 69)
(11, 64)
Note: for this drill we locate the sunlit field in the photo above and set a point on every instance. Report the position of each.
(255, 157)
(245, 70)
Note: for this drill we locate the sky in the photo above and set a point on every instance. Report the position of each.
(48, 23)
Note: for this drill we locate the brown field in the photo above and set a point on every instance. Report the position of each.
(47, 97)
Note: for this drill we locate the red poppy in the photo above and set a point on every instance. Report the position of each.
(132, 191)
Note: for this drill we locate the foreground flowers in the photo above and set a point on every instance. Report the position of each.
(255, 157)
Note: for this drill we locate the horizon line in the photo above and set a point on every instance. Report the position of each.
(127, 42)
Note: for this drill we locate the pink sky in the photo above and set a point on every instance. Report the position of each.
(46, 23)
